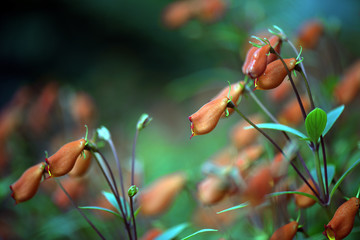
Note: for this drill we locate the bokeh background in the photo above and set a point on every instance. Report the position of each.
(129, 60)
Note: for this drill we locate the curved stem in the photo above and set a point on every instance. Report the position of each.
(318, 172)
(272, 50)
(325, 168)
(301, 70)
(79, 210)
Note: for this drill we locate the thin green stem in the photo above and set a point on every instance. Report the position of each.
(133, 217)
(318, 171)
(78, 209)
(325, 168)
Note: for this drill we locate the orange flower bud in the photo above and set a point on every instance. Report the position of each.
(210, 10)
(236, 90)
(241, 137)
(275, 42)
(83, 108)
(248, 58)
(347, 89)
(343, 220)
(64, 159)
(310, 33)
(247, 156)
(274, 74)
(75, 187)
(286, 232)
(303, 201)
(207, 117)
(158, 197)
(151, 234)
(258, 186)
(278, 167)
(177, 14)
(291, 114)
(81, 165)
(212, 190)
(258, 62)
(27, 185)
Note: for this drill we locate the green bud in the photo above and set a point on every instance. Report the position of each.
(133, 190)
(144, 120)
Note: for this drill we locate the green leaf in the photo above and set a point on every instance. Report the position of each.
(315, 123)
(200, 231)
(104, 133)
(111, 198)
(172, 232)
(330, 173)
(279, 127)
(101, 209)
(332, 116)
(245, 204)
(337, 184)
(291, 192)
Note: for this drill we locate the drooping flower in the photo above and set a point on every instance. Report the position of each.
(310, 33)
(64, 159)
(82, 164)
(212, 190)
(208, 116)
(234, 92)
(343, 220)
(348, 88)
(274, 74)
(27, 185)
(286, 232)
(304, 201)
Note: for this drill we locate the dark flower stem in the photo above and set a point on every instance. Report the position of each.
(133, 157)
(325, 168)
(268, 113)
(272, 50)
(119, 169)
(231, 105)
(79, 210)
(133, 216)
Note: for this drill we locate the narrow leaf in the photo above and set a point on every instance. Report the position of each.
(245, 204)
(337, 184)
(332, 116)
(291, 192)
(315, 123)
(111, 198)
(172, 232)
(101, 209)
(200, 231)
(279, 127)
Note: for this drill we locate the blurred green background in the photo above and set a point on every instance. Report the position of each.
(122, 54)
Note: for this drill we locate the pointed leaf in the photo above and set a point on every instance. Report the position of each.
(172, 232)
(315, 123)
(200, 231)
(245, 204)
(111, 198)
(101, 209)
(332, 116)
(337, 184)
(291, 192)
(279, 127)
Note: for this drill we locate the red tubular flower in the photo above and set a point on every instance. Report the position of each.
(236, 90)
(64, 159)
(207, 117)
(258, 62)
(274, 74)
(27, 185)
(343, 220)
(81, 165)
(303, 201)
(286, 232)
